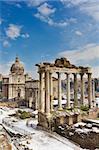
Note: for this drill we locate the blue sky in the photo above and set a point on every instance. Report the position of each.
(42, 30)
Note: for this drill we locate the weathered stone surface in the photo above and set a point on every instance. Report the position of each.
(4, 144)
(63, 62)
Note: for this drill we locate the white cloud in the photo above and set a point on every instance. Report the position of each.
(45, 12)
(74, 2)
(78, 33)
(84, 56)
(89, 52)
(13, 31)
(6, 44)
(33, 3)
(51, 22)
(46, 9)
(26, 35)
(90, 7)
(18, 5)
(3, 70)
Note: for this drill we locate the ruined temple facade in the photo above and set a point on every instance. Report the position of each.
(60, 67)
(32, 93)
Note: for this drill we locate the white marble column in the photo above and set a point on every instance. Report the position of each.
(51, 91)
(47, 94)
(59, 92)
(82, 88)
(41, 98)
(68, 91)
(89, 90)
(75, 91)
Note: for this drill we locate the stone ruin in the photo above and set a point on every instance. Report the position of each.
(46, 112)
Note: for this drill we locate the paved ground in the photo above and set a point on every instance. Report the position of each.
(40, 140)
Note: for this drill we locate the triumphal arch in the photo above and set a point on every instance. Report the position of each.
(60, 66)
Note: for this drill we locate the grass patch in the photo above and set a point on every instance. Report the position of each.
(23, 114)
(84, 108)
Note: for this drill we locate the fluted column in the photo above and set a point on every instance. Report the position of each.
(82, 89)
(51, 91)
(47, 93)
(68, 91)
(59, 92)
(89, 90)
(75, 91)
(41, 98)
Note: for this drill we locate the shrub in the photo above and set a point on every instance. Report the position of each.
(25, 115)
(84, 108)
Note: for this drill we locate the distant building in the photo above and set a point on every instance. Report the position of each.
(13, 85)
(32, 93)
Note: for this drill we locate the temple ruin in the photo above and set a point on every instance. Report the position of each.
(61, 66)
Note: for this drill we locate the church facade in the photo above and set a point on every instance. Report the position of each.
(13, 85)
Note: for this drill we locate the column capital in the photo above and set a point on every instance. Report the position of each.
(89, 73)
(67, 73)
(81, 74)
(75, 74)
(50, 73)
(58, 73)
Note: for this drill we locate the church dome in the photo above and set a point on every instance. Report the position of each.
(17, 67)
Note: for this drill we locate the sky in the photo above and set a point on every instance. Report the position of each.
(43, 30)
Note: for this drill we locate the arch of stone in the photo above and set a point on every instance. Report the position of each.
(61, 66)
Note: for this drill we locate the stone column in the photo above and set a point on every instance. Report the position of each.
(75, 91)
(36, 99)
(89, 90)
(41, 98)
(82, 89)
(93, 93)
(68, 91)
(51, 91)
(59, 92)
(47, 94)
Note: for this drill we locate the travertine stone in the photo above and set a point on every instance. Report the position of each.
(59, 91)
(68, 91)
(82, 89)
(75, 91)
(42, 101)
(90, 90)
(51, 91)
(47, 93)
(93, 93)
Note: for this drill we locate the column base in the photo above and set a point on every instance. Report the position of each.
(52, 110)
(44, 120)
(60, 109)
(68, 107)
(48, 114)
